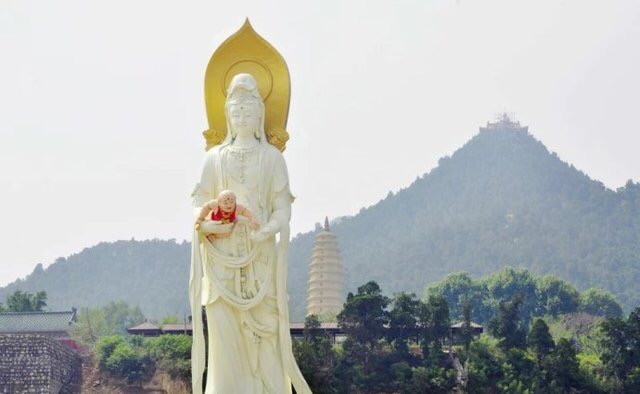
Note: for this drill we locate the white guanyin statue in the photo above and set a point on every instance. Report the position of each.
(237, 273)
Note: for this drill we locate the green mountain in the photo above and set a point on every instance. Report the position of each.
(501, 200)
(152, 274)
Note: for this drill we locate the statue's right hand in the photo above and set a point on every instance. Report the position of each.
(209, 227)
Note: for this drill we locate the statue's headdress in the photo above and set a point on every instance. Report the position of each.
(246, 52)
(243, 89)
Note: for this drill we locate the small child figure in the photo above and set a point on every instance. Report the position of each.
(224, 210)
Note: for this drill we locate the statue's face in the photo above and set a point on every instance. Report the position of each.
(244, 118)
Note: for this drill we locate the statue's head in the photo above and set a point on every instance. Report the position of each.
(244, 109)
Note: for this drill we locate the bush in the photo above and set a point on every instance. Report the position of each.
(172, 354)
(105, 347)
(128, 363)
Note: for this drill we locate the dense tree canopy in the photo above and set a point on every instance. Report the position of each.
(21, 301)
(543, 295)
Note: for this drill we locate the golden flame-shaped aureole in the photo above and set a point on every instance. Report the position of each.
(246, 52)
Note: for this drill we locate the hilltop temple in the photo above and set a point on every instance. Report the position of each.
(326, 276)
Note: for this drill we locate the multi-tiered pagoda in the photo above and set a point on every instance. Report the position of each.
(326, 276)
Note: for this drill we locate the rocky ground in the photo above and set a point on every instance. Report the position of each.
(98, 382)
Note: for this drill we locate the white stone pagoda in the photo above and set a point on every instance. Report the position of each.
(326, 276)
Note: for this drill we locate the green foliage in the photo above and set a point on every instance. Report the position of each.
(484, 364)
(500, 200)
(541, 296)
(507, 325)
(555, 296)
(379, 353)
(509, 283)
(600, 303)
(364, 316)
(129, 363)
(26, 302)
(403, 321)
(374, 359)
(150, 274)
(621, 356)
(316, 358)
(105, 347)
(111, 319)
(540, 340)
(171, 319)
(457, 287)
(137, 358)
(563, 367)
(466, 331)
(429, 380)
(171, 353)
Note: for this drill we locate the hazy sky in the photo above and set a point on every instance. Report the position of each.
(102, 109)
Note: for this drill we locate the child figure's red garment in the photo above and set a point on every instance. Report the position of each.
(224, 217)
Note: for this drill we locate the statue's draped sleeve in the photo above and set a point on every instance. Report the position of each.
(201, 194)
(281, 199)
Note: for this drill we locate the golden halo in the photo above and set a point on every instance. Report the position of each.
(246, 52)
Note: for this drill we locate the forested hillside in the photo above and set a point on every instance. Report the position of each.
(153, 275)
(501, 200)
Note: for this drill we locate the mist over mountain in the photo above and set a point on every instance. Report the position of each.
(500, 200)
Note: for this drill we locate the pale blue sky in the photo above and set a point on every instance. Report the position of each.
(101, 103)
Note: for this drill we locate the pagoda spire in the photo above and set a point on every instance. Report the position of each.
(326, 223)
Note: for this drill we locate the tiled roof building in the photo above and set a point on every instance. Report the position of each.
(51, 324)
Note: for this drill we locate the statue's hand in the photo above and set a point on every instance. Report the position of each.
(255, 225)
(260, 236)
(267, 231)
(209, 227)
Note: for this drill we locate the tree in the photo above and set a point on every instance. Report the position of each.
(111, 319)
(119, 316)
(600, 303)
(403, 322)
(364, 319)
(172, 353)
(316, 358)
(484, 367)
(622, 349)
(504, 285)
(433, 325)
(364, 316)
(456, 288)
(170, 319)
(540, 340)
(506, 325)
(466, 333)
(563, 367)
(26, 302)
(555, 296)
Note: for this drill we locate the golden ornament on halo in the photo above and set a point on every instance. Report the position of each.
(246, 52)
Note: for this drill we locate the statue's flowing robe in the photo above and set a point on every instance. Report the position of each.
(242, 285)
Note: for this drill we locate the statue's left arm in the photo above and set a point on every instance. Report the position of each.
(280, 201)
